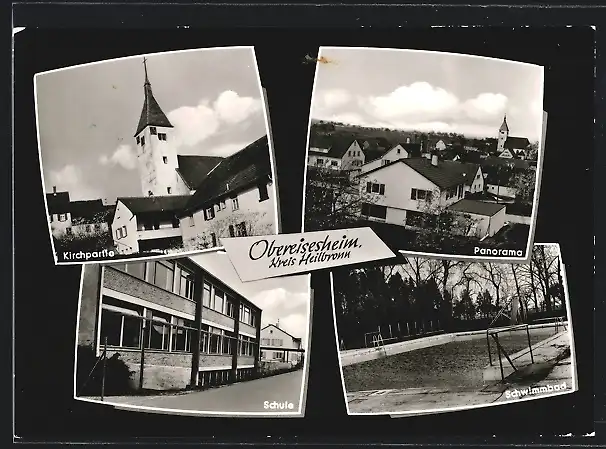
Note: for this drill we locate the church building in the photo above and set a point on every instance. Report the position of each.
(510, 147)
(169, 182)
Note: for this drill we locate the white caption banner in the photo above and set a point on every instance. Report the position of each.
(263, 257)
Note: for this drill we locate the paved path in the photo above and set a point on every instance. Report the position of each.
(432, 400)
(240, 397)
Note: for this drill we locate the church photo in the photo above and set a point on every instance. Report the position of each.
(156, 154)
(440, 156)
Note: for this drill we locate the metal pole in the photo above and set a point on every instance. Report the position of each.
(529, 345)
(104, 368)
(496, 337)
(143, 329)
(488, 343)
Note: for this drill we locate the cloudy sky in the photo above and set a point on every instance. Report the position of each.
(88, 115)
(282, 298)
(425, 91)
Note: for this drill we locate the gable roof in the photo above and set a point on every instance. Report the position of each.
(319, 141)
(446, 174)
(504, 127)
(476, 207)
(151, 114)
(143, 204)
(58, 202)
(340, 147)
(372, 154)
(193, 169)
(280, 329)
(233, 173)
(500, 161)
(517, 143)
(87, 208)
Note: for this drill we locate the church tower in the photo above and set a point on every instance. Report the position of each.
(156, 152)
(503, 135)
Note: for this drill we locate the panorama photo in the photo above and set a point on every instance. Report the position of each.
(439, 153)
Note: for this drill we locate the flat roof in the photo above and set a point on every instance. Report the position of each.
(476, 207)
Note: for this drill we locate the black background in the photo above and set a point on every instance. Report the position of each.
(46, 296)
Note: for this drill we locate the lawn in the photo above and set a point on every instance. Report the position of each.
(455, 365)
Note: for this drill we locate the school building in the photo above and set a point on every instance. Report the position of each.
(188, 327)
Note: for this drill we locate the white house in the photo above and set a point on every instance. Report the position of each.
(488, 218)
(399, 151)
(440, 145)
(402, 191)
(77, 218)
(337, 154)
(236, 199)
(59, 214)
(277, 345)
(144, 224)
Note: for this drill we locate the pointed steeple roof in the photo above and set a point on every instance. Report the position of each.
(504, 127)
(152, 114)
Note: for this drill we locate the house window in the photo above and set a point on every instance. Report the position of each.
(398, 151)
(209, 213)
(217, 207)
(120, 323)
(235, 205)
(168, 190)
(418, 194)
(241, 229)
(265, 341)
(372, 187)
(277, 342)
(222, 204)
(165, 159)
(232, 232)
(68, 231)
(87, 228)
(231, 308)
(138, 140)
(206, 295)
(159, 331)
(213, 237)
(245, 314)
(142, 141)
(375, 211)
(334, 163)
(62, 217)
(263, 193)
(320, 162)
(162, 136)
(164, 274)
(186, 284)
(152, 130)
(191, 220)
(385, 161)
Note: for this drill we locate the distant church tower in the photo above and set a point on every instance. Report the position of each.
(156, 154)
(503, 134)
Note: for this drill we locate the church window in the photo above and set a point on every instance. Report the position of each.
(168, 190)
(165, 159)
(152, 130)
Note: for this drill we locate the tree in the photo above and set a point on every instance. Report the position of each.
(485, 304)
(524, 184)
(533, 151)
(333, 199)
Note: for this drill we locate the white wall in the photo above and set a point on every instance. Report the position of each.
(391, 155)
(273, 333)
(124, 219)
(478, 183)
(354, 156)
(259, 217)
(502, 190)
(58, 228)
(156, 175)
(497, 221)
(327, 162)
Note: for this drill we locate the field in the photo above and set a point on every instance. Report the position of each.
(456, 365)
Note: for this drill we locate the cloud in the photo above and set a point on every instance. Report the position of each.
(289, 308)
(333, 98)
(485, 105)
(226, 149)
(70, 179)
(232, 108)
(124, 156)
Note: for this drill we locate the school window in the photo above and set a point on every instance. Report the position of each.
(219, 300)
(209, 213)
(241, 229)
(235, 205)
(245, 314)
(231, 308)
(181, 335)
(163, 275)
(419, 194)
(373, 187)
(186, 284)
(165, 159)
(168, 190)
(120, 323)
(206, 295)
(136, 269)
(159, 331)
(152, 130)
(162, 136)
(213, 238)
(263, 193)
(215, 340)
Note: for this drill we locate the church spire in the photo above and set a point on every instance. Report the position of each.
(504, 127)
(152, 114)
